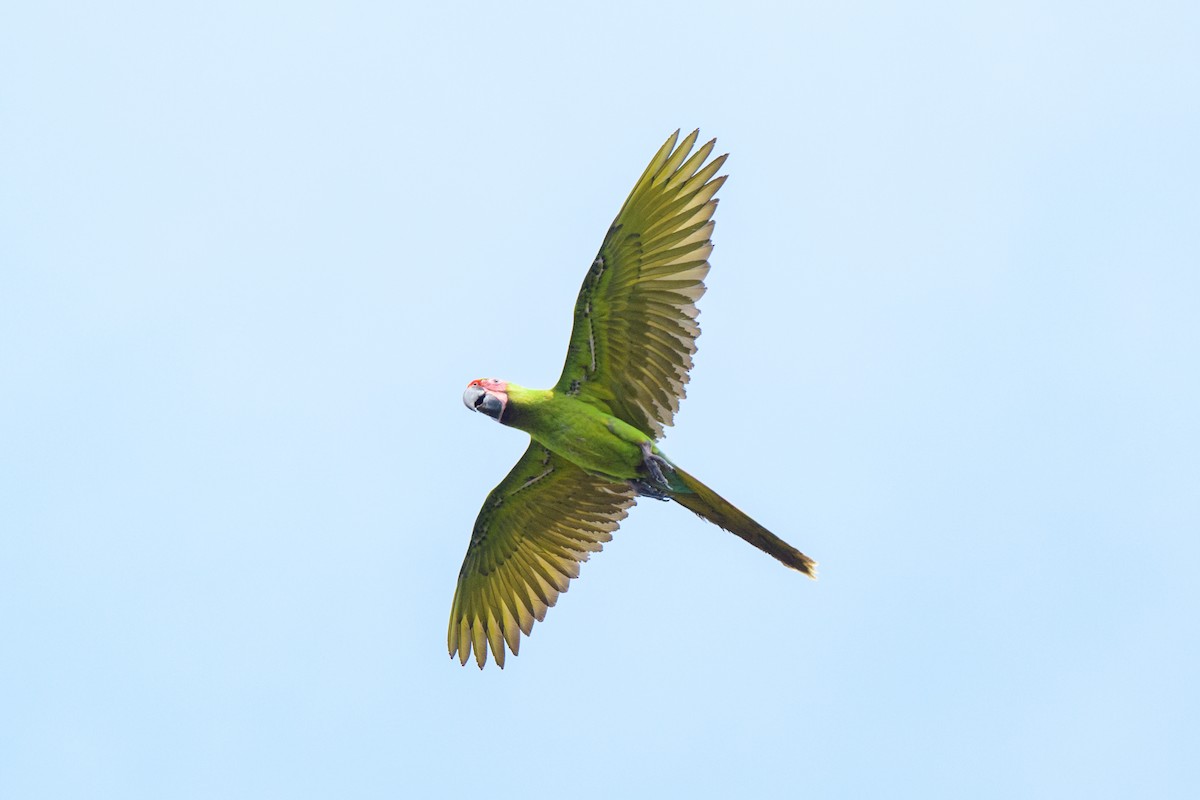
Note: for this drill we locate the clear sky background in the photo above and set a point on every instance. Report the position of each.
(250, 255)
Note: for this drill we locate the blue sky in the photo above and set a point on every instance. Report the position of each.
(250, 255)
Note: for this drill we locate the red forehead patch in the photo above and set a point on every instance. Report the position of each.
(490, 384)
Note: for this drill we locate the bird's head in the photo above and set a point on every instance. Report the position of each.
(487, 395)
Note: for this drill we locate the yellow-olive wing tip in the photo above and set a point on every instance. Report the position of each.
(694, 135)
(464, 655)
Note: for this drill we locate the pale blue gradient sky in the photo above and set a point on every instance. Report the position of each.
(250, 254)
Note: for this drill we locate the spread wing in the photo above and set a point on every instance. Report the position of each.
(535, 528)
(635, 319)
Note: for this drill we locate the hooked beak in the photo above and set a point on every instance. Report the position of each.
(473, 396)
(479, 399)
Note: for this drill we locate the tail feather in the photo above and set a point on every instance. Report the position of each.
(711, 506)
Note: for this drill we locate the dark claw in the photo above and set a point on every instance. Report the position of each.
(646, 489)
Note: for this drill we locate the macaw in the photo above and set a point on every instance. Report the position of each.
(592, 448)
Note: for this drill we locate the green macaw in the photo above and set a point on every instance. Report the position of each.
(592, 450)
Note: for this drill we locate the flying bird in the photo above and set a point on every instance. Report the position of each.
(592, 448)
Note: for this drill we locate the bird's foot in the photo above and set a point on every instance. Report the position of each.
(655, 464)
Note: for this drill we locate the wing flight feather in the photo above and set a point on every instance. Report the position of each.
(534, 529)
(634, 331)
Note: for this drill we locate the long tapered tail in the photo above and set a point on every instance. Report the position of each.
(716, 509)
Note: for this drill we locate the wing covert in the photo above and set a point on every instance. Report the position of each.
(535, 528)
(635, 325)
